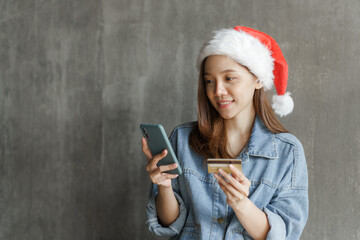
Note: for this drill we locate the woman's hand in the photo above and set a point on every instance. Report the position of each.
(157, 175)
(236, 188)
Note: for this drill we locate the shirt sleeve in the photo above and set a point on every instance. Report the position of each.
(151, 213)
(153, 221)
(288, 211)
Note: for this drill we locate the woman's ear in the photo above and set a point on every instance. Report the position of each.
(258, 84)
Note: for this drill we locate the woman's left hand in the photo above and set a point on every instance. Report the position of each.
(236, 188)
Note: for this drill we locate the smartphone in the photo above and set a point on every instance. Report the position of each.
(214, 164)
(157, 141)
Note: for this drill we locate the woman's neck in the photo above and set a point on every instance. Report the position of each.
(241, 125)
(238, 131)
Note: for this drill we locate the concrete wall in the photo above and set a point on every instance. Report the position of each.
(77, 78)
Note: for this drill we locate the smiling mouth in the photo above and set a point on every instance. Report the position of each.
(224, 104)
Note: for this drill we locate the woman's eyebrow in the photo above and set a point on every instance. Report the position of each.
(227, 70)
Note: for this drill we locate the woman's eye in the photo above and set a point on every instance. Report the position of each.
(207, 81)
(230, 78)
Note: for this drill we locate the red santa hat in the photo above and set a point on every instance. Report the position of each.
(260, 54)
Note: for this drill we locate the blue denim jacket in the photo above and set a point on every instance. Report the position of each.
(274, 163)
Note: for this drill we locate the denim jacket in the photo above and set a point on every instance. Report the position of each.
(274, 163)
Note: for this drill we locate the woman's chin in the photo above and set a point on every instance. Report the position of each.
(227, 116)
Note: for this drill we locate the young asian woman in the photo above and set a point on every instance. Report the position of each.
(268, 199)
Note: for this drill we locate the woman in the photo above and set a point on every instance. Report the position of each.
(268, 199)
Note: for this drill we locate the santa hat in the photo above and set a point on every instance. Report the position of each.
(260, 54)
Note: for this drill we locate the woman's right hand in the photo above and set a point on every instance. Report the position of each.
(157, 175)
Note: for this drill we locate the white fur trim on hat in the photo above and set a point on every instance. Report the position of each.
(244, 49)
(282, 104)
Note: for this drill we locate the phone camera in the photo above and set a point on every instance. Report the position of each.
(146, 134)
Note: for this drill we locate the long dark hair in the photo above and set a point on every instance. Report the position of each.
(208, 137)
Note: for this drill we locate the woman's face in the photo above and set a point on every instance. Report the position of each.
(229, 86)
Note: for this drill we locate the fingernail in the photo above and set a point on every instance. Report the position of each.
(174, 165)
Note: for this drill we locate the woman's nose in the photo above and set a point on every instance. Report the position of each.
(220, 89)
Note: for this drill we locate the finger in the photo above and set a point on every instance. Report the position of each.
(227, 193)
(158, 157)
(222, 182)
(239, 176)
(229, 190)
(168, 167)
(160, 171)
(157, 177)
(247, 183)
(231, 196)
(149, 168)
(231, 199)
(234, 183)
(237, 173)
(169, 175)
(145, 149)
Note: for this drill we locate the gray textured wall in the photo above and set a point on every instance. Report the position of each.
(77, 77)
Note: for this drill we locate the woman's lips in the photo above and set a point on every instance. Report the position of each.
(224, 104)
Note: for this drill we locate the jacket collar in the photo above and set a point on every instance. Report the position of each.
(261, 143)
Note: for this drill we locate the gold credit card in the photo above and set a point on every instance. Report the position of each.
(214, 164)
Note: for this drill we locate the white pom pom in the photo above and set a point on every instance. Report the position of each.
(282, 104)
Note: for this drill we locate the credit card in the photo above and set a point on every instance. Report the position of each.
(214, 164)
